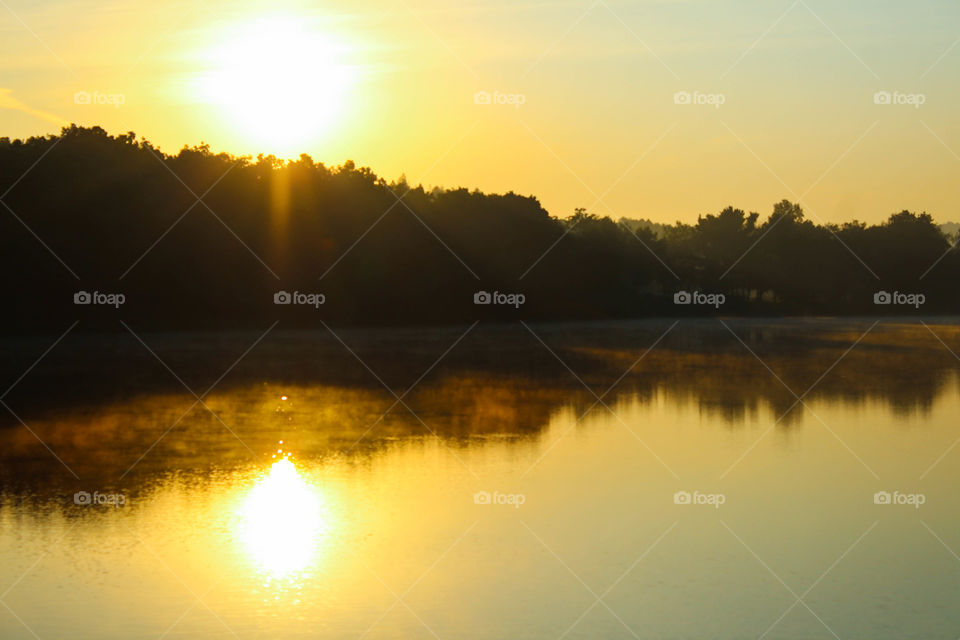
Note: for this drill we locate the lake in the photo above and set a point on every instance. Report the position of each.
(655, 479)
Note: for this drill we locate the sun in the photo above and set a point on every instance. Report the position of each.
(281, 83)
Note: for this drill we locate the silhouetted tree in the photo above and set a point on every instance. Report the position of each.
(199, 238)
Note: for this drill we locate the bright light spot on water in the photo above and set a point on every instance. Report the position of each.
(283, 520)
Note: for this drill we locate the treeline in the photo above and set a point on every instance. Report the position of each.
(199, 239)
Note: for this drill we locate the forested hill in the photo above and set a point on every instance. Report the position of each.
(199, 239)
(660, 229)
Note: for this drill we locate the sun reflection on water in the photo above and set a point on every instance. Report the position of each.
(284, 518)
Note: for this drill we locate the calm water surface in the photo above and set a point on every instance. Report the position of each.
(513, 504)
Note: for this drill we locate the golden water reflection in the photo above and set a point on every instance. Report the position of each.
(319, 544)
(313, 546)
(284, 519)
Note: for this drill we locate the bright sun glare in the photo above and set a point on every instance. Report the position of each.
(283, 519)
(282, 83)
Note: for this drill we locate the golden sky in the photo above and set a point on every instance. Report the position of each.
(659, 109)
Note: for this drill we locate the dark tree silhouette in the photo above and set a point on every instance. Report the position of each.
(199, 239)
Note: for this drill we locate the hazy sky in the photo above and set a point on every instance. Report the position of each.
(583, 97)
